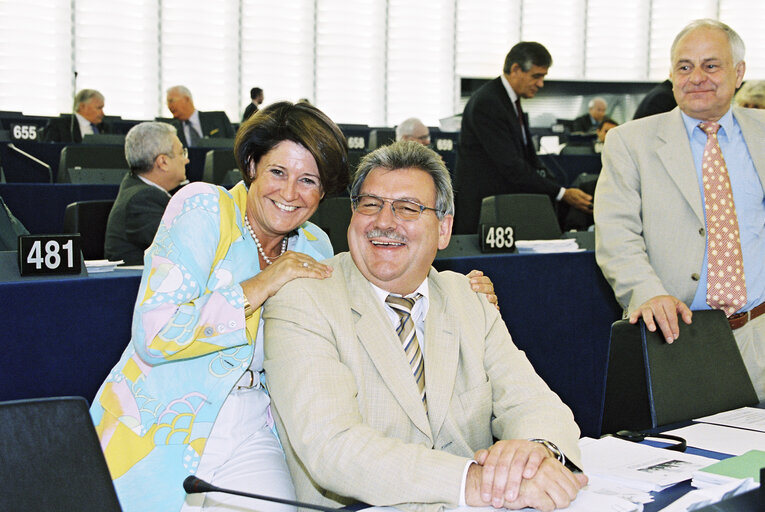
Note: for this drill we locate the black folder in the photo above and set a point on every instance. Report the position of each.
(650, 383)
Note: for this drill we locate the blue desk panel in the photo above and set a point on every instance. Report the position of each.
(62, 335)
(40, 206)
(65, 334)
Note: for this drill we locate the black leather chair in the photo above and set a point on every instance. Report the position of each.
(89, 218)
(86, 156)
(51, 457)
(381, 137)
(532, 215)
(650, 383)
(334, 216)
(220, 168)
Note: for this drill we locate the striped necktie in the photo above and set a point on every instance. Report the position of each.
(408, 336)
(726, 286)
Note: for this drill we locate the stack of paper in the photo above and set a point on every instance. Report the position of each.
(735, 468)
(96, 266)
(547, 246)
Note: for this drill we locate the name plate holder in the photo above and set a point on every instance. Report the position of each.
(42, 257)
(497, 238)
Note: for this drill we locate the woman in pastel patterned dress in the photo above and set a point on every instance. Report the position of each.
(186, 396)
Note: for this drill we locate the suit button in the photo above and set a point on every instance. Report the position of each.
(701, 231)
(695, 276)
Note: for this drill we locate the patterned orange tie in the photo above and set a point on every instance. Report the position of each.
(408, 336)
(726, 286)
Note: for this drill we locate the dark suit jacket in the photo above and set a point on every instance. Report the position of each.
(215, 124)
(659, 99)
(491, 156)
(60, 129)
(583, 124)
(134, 220)
(251, 109)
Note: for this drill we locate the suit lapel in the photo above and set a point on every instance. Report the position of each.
(753, 133)
(441, 354)
(674, 151)
(376, 335)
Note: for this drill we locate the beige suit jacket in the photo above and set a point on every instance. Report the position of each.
(649, 218)
(347, 406)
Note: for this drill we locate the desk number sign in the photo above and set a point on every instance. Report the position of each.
(497, 238)
(49, 254)
(24, 132)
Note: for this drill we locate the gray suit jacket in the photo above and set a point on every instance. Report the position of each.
(650, 233)
(134, 220)
(347, 406)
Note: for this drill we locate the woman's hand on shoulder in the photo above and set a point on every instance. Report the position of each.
(290, 265)
(481, 283)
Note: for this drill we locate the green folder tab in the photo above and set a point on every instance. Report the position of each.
(746, 465)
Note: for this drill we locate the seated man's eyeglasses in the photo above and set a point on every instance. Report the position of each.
(403, 209)
(184, 153)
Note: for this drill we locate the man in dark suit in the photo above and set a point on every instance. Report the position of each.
(659, 99)
(157, 161)
(588, 123)
(496, 154)
(88, 118)
(192, 124)
(256, 97)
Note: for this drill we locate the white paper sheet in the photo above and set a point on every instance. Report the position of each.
(718, 438)
(750, 418)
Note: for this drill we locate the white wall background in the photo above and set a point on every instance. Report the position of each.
(372, 62)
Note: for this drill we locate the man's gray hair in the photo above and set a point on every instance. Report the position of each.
(751, 94)
(84, 96)
(409, 154)
(145, 142)
(407, 127)
(182, 90)
(737, 47)
(595, 100)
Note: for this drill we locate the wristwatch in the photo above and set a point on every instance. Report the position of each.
(552, 448)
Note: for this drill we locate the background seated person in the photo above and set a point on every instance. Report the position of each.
(606, 124)
(751, 94)
(413, 129)
(88, 119)
(192, 124)
(256, 98)
(588, 123)
(157, 162)
(378, 403)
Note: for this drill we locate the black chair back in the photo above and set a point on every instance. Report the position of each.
(334, 216)
(90, 156)
(218, 166)
(51, 457)
(89, 218)
(532, 215)
(650, 383)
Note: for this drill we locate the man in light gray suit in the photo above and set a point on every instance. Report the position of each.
(651, 222)
(358, 418)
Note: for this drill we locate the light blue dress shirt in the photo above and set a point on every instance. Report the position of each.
(749, 199)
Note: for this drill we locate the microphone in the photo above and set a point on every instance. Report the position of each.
(193, 485)
(34, 159)
(71, 122)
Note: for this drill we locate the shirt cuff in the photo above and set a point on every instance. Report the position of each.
(464, 480)
(560, 194)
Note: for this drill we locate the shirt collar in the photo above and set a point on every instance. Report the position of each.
(422, 290)
(509, 89)
(149, 182)
(726, 123)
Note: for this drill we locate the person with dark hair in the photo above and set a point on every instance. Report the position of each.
(157, 162)
(256, 97)
(88, 119)
(194, 125)
(186, 396)
(496, 154)
(391, 381)
(603, 127)
(659, 99)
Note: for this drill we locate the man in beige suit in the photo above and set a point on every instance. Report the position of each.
(354, 422)
(650, 221)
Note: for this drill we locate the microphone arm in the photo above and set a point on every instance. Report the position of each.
(193, 485)
(74, 108)
(34, 159)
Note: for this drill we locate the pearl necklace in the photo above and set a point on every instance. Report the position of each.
(260, 247)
